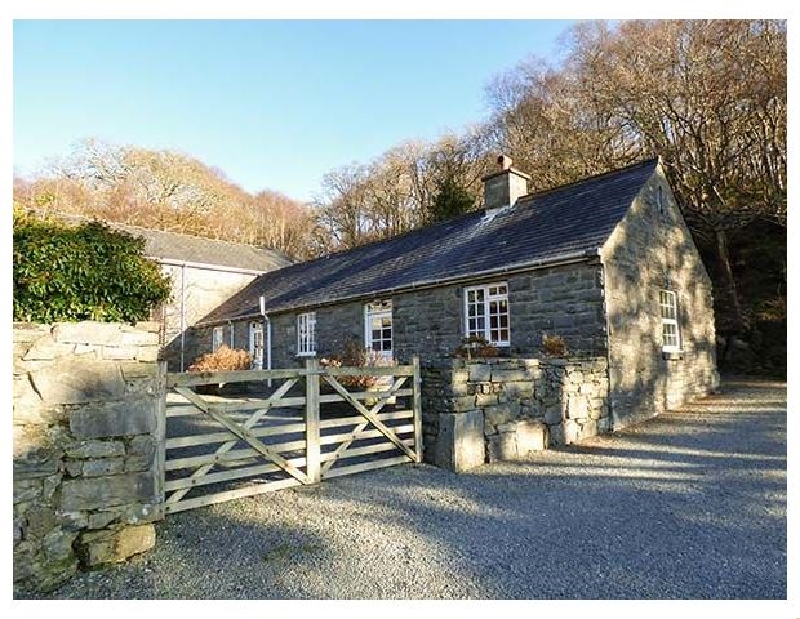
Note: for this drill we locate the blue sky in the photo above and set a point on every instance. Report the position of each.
(274, 104)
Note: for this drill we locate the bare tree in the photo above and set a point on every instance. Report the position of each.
(167, 190)
(710, 97)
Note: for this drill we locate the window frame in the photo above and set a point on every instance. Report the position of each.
(256, 361)
(660, 202)
(664, 321)
(487, 299)
(217, 337)
(307, 334)
(378, 309)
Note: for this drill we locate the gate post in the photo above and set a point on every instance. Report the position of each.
(312, 422)
(161, 435)
(417, 400)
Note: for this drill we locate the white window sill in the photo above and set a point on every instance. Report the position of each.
(307, 354)
(495, 344)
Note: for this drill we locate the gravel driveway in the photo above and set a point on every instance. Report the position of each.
(689, 505)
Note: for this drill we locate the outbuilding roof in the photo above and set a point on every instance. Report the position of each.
(572, 220)
(178, 247)
(197, 249)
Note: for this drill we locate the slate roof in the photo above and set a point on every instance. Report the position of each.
(188, 248)
(572, 219)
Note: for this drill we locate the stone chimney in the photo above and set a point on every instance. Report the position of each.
(504, 188)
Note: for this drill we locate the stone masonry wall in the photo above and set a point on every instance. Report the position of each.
(335, 325)
(485, 410)
(565, 300)
(284, 341)
(86, 431)
(651, 251)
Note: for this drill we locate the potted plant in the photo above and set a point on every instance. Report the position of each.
(554, 345)
(475, 347)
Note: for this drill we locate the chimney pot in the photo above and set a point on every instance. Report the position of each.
(505, 162)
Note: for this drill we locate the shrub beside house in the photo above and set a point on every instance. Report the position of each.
(84, 272)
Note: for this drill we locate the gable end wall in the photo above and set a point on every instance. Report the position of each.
(645, 254)
(203, 290)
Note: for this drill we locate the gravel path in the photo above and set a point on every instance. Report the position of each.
(689, 505)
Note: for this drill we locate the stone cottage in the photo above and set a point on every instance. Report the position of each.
(606, 264)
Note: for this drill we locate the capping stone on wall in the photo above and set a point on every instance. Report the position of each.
(85, 482)
(488, 410)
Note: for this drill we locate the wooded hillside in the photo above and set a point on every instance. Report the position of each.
(708, 96)
(167, 191)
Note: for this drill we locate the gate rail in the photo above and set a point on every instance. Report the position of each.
(245, 434)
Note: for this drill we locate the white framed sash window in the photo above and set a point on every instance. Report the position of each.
(486, 313)
(307, 334)
(378, 328)
(256, 345)
(670, 334)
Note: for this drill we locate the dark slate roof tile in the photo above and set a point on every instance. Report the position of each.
(574, 218)
(184, 247)
(187, 248)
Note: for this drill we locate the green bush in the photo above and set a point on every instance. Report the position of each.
(87, 272)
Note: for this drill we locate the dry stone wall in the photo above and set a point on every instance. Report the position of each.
(86, 435)
(487, 410)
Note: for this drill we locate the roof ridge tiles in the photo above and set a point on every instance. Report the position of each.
(587, 179)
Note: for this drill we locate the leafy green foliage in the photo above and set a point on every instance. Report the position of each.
(451, 200)
(88, 272)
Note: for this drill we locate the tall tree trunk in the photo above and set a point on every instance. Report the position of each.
(729, 282)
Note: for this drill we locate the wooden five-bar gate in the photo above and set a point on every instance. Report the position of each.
(221, 448)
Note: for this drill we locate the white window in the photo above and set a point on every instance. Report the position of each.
(306, 333)
(486, 313)
(216, 338)
(378, 328)
(256, 345)
(670, 338)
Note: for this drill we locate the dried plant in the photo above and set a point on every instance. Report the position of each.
(475, 347)
(223, 358)
(554, 345)
(355, 356)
